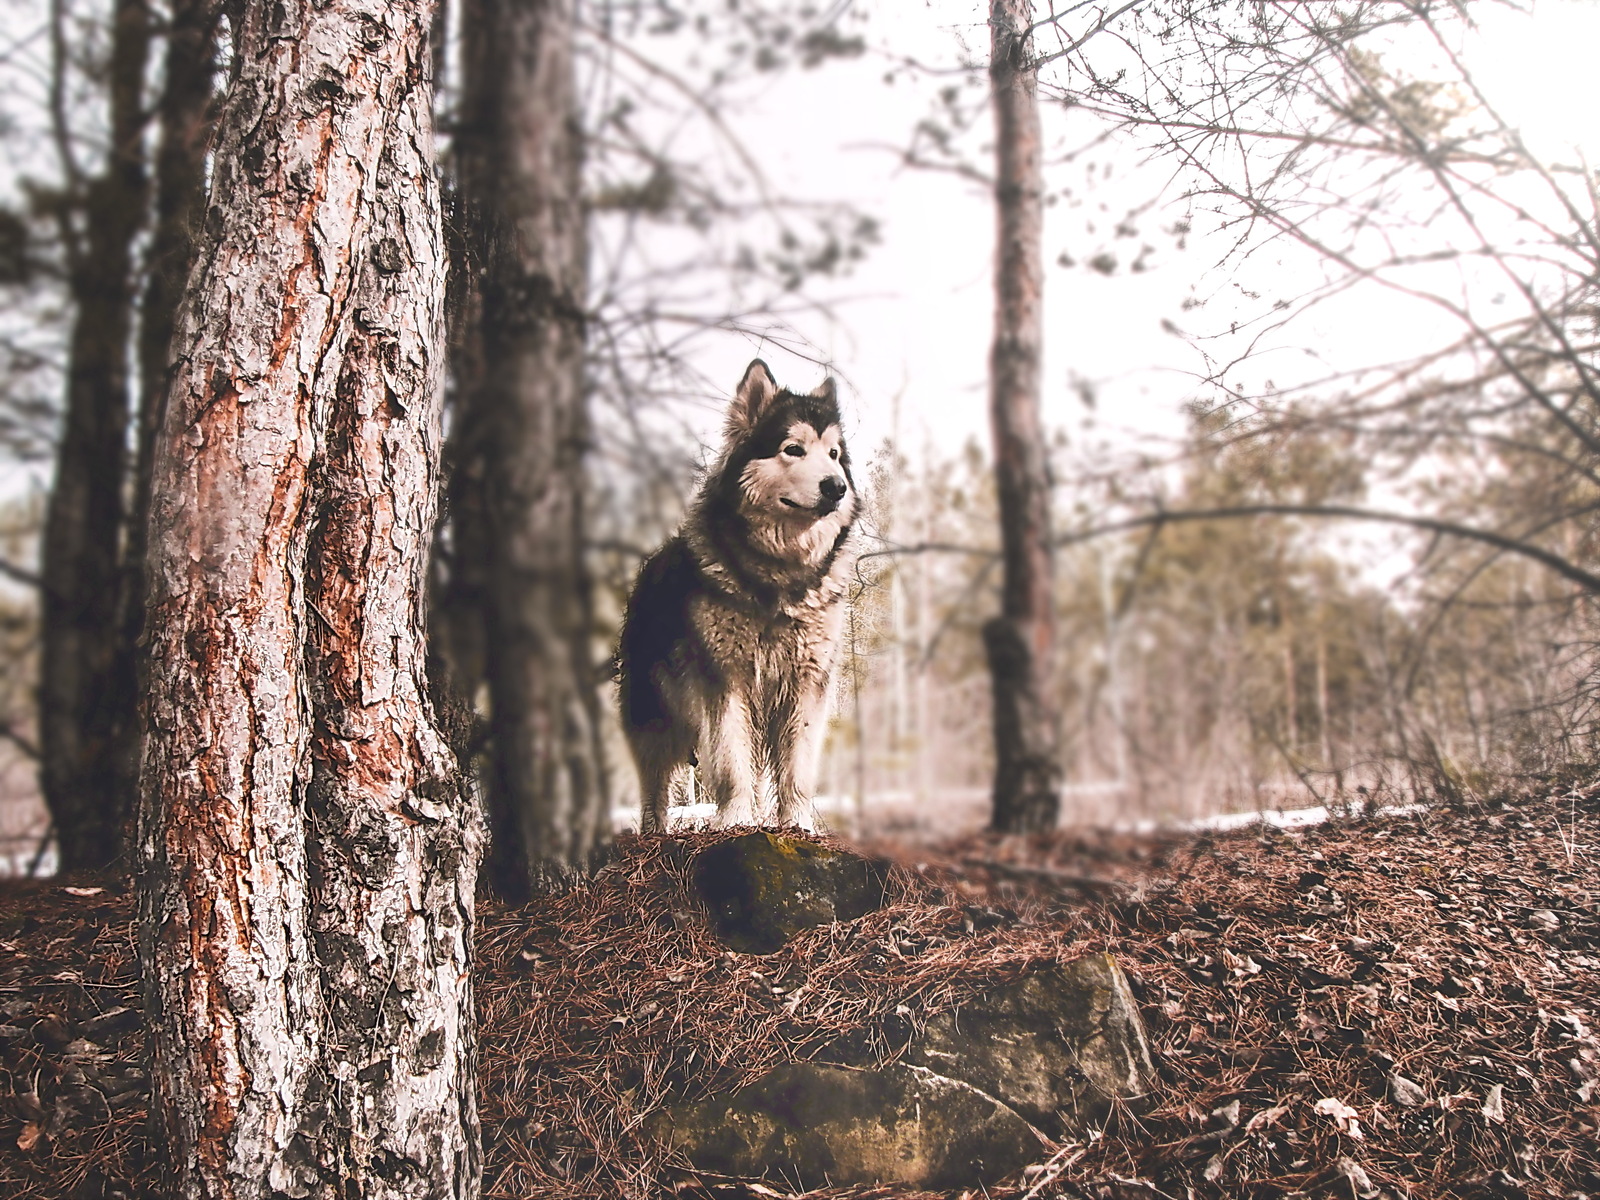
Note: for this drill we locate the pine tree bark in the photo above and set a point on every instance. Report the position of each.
(308, 859)
(1021, 642)
(520, 440)
(80, 555)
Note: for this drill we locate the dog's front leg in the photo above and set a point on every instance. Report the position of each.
(794, 745)
(656, 769)
(727, 761)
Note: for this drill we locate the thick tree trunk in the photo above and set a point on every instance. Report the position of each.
(79, 631)
(184, 127)
(1021, 642)
(521, 437)
(308, 858)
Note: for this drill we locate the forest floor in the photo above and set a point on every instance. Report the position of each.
(1404, 1006)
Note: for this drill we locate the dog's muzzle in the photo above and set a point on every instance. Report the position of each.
(832, 490)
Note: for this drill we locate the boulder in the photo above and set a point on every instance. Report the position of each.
(818, 1125)
(1058, 1046)
(762, 888)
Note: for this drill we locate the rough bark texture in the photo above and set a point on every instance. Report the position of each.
(183, 115)
(1021, 641)
(308, 859)
(79, 631)
(520, 439)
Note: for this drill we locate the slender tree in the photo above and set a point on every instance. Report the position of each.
(308, 859)
(1021, 641)
(80, 555)
(519, 441)
(183, 118)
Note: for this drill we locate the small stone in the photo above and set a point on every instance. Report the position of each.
(1543, 919)
(763, 888)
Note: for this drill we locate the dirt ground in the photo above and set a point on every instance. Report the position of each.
(1405, 1006)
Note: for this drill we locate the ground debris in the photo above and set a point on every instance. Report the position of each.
(1448, 1002)
(72, 1082)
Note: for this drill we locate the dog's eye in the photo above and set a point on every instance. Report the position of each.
(796, 450)
(833, 453)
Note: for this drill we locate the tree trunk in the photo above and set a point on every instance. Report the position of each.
(520, 439)
(79, 631)
(1021, 641)
(308, 856)
(184, 120)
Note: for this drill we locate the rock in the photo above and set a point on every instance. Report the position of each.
(763, 888)
(822, 1125)
(1059, 1046)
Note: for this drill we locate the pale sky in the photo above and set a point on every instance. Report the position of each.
(914, 320)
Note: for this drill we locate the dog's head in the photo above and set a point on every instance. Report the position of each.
(787, 457)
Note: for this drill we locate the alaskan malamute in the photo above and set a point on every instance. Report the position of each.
(732, 633)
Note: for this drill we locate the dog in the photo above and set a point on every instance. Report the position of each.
(732, 632)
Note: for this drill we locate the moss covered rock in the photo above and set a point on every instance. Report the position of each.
(762, 888)
(1058, 1046)
(816, 1126)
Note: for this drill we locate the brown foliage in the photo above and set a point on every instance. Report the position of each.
(1274, 971)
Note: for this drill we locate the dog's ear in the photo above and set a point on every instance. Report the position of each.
(755, 392)
(828, 392)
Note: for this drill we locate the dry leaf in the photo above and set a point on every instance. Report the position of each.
(1405, 1092)
(1342, 1115)
(1359, 1181)
(1267, 1117)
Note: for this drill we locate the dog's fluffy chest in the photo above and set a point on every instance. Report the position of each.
(760, 650)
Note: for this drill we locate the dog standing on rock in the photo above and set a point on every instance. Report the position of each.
(733, 630)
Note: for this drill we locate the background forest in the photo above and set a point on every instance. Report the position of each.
(1320, 385)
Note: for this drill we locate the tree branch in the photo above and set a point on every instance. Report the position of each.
(1561, 566)
(22, 575)
(1568, 570)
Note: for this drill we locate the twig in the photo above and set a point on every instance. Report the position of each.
(21, 575)
(1059, 1162)
(20, 741)
(38, 855)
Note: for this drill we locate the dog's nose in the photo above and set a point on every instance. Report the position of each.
(833, 488)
